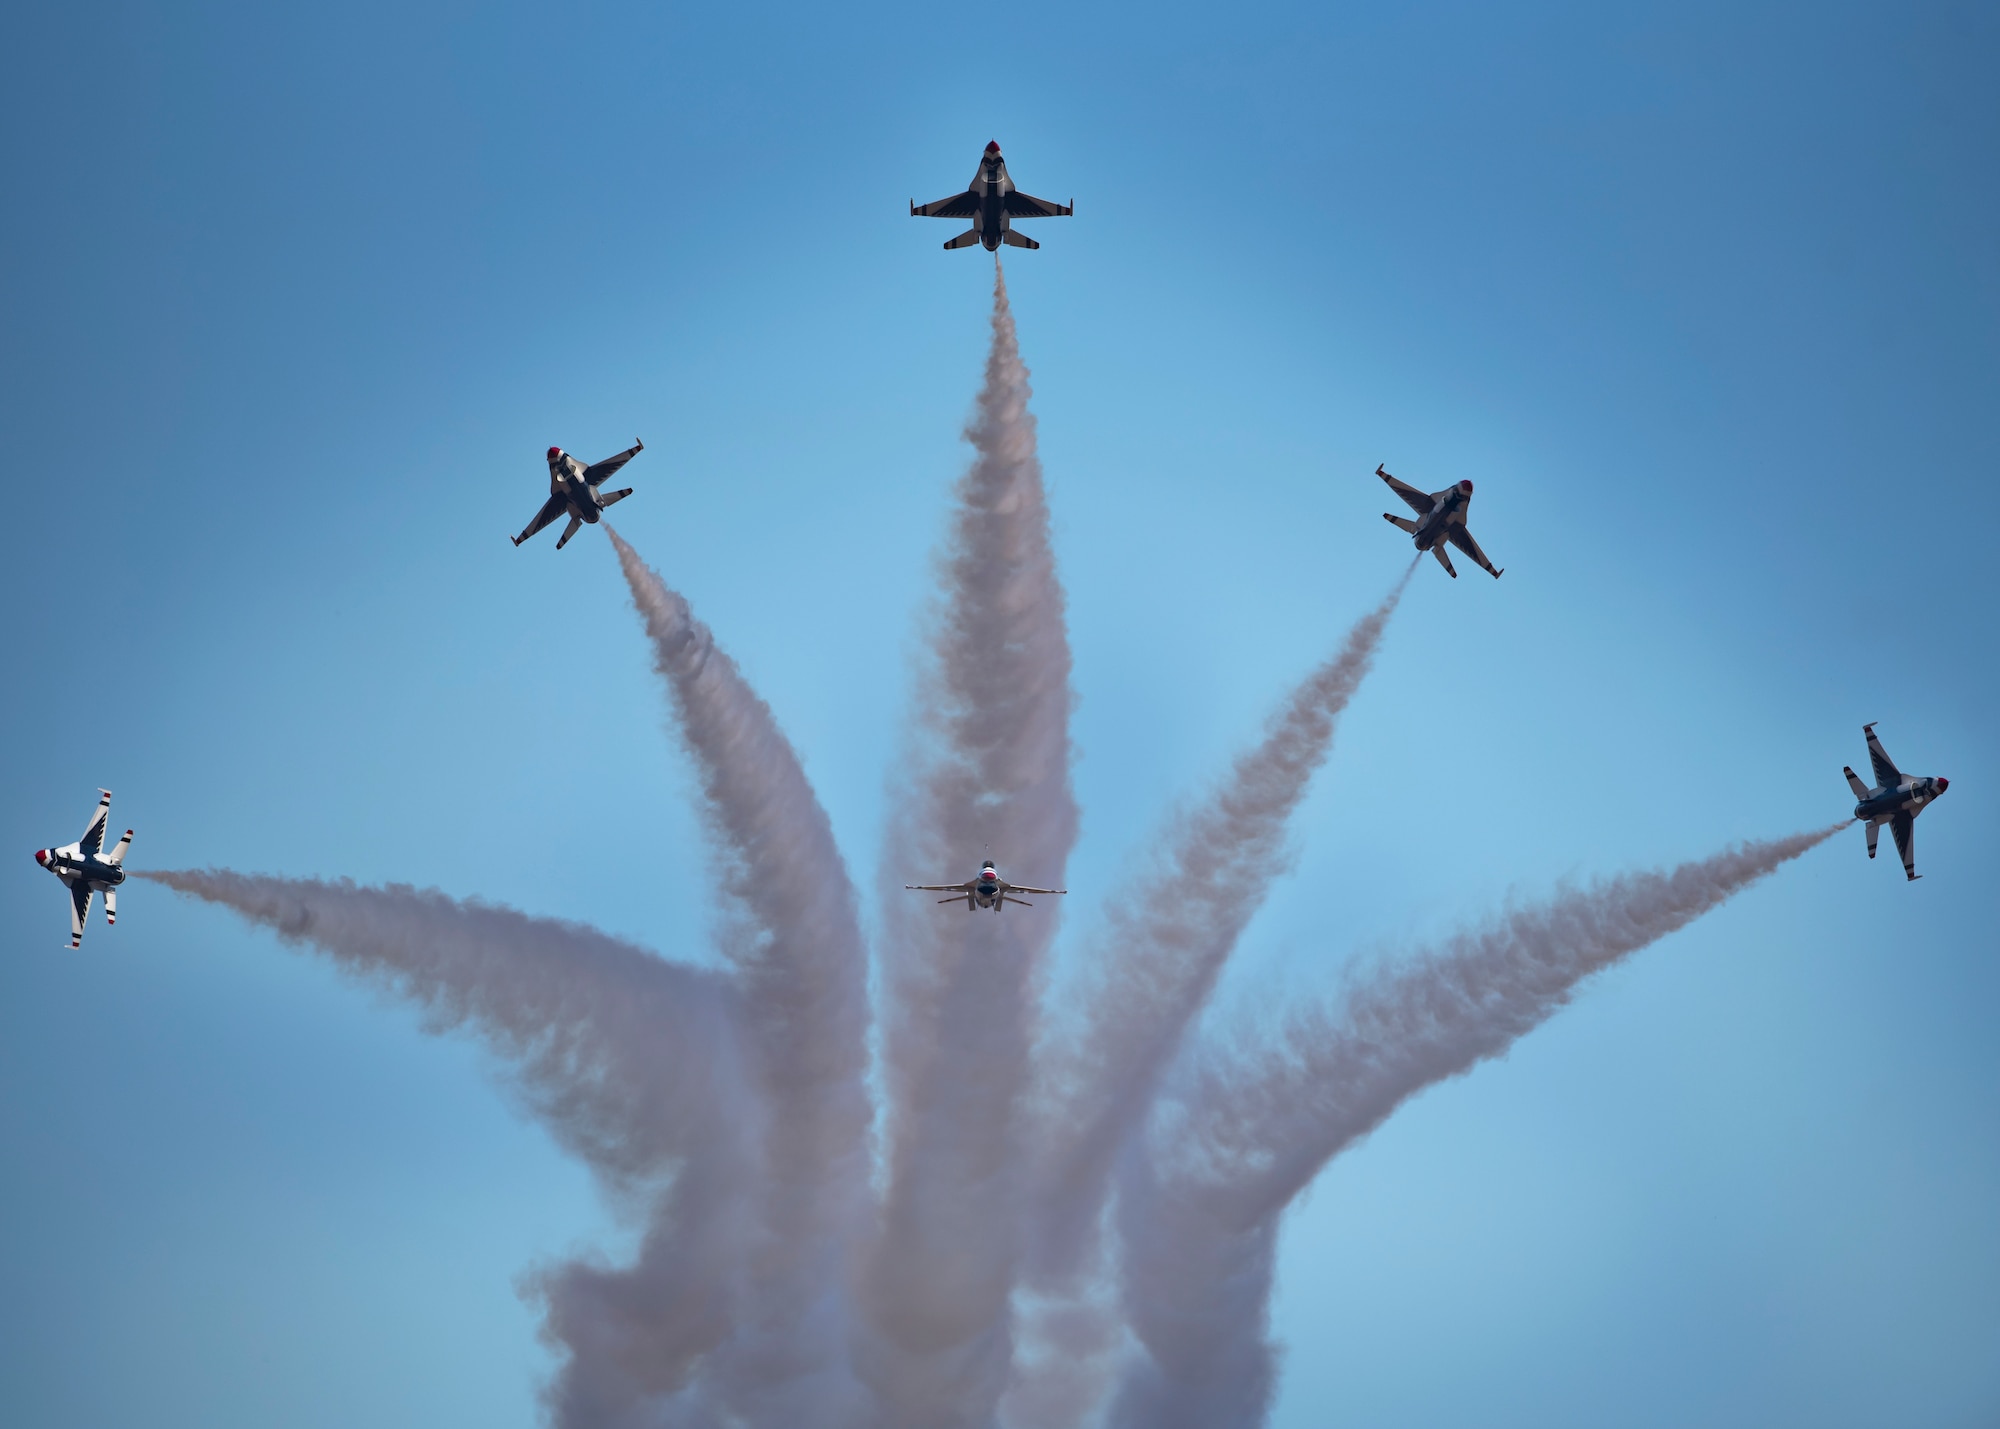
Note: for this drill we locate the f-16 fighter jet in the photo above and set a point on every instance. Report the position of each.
(1440, 518)
(989, 890)
(87, 871)
(1896, 800)
(992, 203)
(573, 488)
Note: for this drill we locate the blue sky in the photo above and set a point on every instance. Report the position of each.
(1706, 299)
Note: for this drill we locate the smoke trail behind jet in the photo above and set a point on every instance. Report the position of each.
(1198, 1218)
(1169, 937)
(632, 1063)
(804, 967)
(992, 763)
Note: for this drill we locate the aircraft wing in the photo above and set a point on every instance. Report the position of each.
(93, 834)
(1006, 887)
(552, 508)
(1904, 827)
(965, 887)
(1886, 773)
(1020, 205)
(1418, 501)
(959, 205)
(80, 894)
(1462, 538)
(597, 471)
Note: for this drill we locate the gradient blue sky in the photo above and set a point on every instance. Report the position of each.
(1706, 298)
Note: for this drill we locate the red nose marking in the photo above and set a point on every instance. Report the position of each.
(41, 855)
(993, 146)
(1943, 783)
(554, 452)
(1466, 487)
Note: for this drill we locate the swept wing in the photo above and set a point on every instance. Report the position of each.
(1887, 775)
(552, 508)
(1418, 501)
(597, 471)
(93, 834)
(1462, 538)
(80, 894)
(1020, 205)
(959, 205)
(1904, 827)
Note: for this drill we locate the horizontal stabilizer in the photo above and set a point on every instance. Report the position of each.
(1401, 522)
(575, 522)
(1014, 238)
(612, 498)
(111, 907)
(1874, 833)
(117, 854)
(1444, 560)
(1860, 790)
(967, 239)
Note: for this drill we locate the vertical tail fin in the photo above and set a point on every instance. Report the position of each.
(110, 907)
(117, 854)
(1874, 833)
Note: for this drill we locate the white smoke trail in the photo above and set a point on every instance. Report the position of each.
(1170, 934)
(804, 981)
(634, 1065)
(1198, 1217)
(962, 988)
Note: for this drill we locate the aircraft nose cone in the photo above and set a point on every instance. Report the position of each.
(992, 146)
(1943, 783)
(42, 856)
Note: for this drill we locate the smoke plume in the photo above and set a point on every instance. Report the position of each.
(804, 972)
(992, 760)
(1170, 934)
(633, 1064)
(1198, 1216)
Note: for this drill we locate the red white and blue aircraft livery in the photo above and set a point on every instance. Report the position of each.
(1896, 800)
(992, 203)
(87, 870)
(1440, 518)
(573, 488)
(989, 890)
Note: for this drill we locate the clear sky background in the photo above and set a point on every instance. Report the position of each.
(1705, 298)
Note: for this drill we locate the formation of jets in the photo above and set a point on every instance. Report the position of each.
(993, 204)
(988, 890)
(88, 870)
(1896, 800)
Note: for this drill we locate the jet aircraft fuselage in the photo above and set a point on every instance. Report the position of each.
(992, 203)
(574, 489)
(988, 890)
(87, 871)
(1440, 520)
(1894, 799)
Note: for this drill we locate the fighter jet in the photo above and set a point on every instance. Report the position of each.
(86, 871)
(1896, 800)
(1441, 518)
(573, 488)
(992, 203)
(989, 890)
